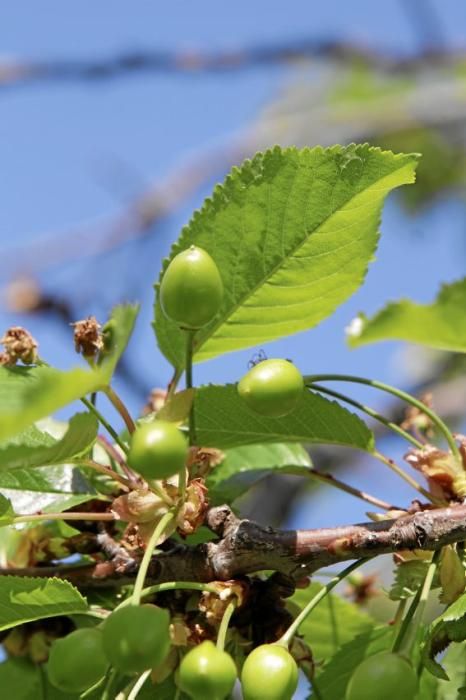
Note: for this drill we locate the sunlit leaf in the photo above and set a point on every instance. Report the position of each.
(23, 599)
(441, 324)
(223, 420)
(292, 232)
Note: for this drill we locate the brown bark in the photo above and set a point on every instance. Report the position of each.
(244, 547)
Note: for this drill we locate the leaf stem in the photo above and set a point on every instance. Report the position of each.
(116, 457)
(189, 382)
(309, 380)
(286, 638)
(103, 421)
(223, 629)
(332, 481)
(139, 683)
(391, 464)
(171, 586)
(63, 516)
(151, 545)
(112, 676)
(120, 407)
(370, 412)
(108, 471)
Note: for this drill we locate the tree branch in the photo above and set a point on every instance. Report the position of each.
(245, 547)
(22, 72)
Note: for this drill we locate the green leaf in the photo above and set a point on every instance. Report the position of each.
(331, 624)
(45, 488)
(292, 232)
(33, 448)
(23, 599)
(223, 420)
(7, 512)
(334, 678)
(117, 332)
(21, 680)
(245, 466)
(441, 324)
(454, 662)
(408, 577)
(177, 409)
(30, 393)
(448, 627)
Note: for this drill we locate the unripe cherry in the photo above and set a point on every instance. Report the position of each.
(272, 388)
(191, 290)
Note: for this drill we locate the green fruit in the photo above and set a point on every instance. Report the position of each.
(191, 290)
(385, 676)
(158, 450)
(207, 673)
(136, 638)
(269, 673)
(272, 388)
(77, 661)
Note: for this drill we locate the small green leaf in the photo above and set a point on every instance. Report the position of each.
(448, 627)
(117, 332)
(223, 420)
(23, 599)
(30, 393)
(408, 577)
(331, 624)
(292, 233)
(45, 488)
(177, 409)
(7, 513)
(441, 324)
(245, 466)
(32, 448)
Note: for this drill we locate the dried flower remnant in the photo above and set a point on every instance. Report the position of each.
(192, 513)
(19, 345)
(88, 337)
(446, 478)
(155, 401)
(417, 421)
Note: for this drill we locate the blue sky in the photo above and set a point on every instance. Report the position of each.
(60, 141)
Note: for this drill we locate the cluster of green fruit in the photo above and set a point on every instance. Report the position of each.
(191, 294)
(136, 638)
(133, 638)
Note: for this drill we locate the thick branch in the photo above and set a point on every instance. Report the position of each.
(244, 547)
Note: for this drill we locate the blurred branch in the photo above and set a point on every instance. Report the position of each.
(21, 72)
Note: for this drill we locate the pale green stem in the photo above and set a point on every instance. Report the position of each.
(109, 685)
(336, 483)
(139, 683)
(171, 586)
(406, 477)
(140, 578)
(108, 471)
(223, 629)
(103, 421)
(286, 638)
(63, 516)
(189, 382)
(120, 407)
(311, 379)
(370, 412)
(407, 633)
